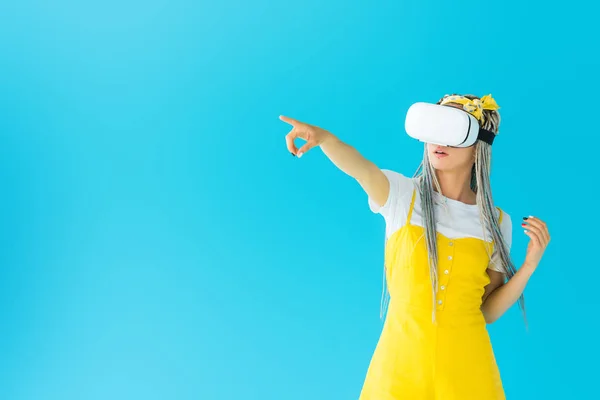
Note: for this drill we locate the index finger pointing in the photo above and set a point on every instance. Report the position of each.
(289, 120)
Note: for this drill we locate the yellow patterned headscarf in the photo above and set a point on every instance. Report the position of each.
(474, 107)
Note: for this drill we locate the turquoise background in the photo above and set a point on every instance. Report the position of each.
(157, 240)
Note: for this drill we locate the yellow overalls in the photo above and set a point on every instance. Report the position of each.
(451, 359)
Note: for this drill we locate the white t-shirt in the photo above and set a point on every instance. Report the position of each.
(456, 220)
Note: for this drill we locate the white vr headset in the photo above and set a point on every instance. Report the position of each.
(444, 125)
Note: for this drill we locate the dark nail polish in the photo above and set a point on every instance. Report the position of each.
(292, 154)
(525, 218)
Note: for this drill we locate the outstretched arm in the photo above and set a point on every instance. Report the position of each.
(342, 155)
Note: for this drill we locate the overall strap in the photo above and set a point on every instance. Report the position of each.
(412, 205)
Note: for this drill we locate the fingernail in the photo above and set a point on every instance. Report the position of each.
(531, 216)
(300, 155)
(292, 154)
(526, 231)
(524, 217)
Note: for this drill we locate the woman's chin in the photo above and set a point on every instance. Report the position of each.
(440, 165)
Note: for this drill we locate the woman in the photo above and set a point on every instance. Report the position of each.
(447, 263)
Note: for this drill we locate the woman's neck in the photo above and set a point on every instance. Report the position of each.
(456, 185)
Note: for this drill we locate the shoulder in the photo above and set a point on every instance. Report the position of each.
(401, 186)
(398, 181)
(397, 176)
(505, 218)
(505, 224)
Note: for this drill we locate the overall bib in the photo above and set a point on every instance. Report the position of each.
(416, 358)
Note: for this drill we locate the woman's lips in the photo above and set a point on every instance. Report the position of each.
(440, 155)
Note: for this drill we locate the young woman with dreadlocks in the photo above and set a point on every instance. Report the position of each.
(448, 270)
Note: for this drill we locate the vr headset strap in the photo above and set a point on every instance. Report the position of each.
(486, 136)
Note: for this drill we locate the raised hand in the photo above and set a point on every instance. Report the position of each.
(537, 230)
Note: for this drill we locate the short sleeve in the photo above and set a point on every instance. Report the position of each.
(506, 230)
(396, 205)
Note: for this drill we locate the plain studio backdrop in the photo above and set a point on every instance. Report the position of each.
(158, 241)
